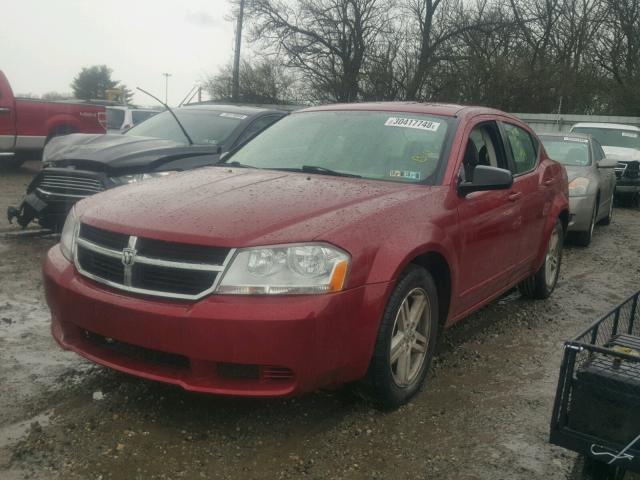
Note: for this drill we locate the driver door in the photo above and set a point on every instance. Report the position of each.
(490, 223)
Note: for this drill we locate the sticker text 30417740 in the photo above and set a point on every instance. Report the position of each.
(412, 123)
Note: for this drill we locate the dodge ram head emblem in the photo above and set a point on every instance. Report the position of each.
(128, 256)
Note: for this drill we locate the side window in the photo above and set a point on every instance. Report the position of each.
(483, 148)
(256, 127)
(523, 148)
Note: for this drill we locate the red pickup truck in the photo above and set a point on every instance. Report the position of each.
(26, 124)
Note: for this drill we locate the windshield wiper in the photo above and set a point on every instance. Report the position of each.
(318, 170)
(233, 164)
(327, 171)
(171, 112)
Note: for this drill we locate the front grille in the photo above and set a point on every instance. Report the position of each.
(181, 252)
(116, 241)
(628, 169)
(109, 268)
(69, 184)
(147, 266)
(168, 280)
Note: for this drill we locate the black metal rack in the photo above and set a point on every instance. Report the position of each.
(595, 412)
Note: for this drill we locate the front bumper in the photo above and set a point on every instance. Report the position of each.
(52, 194)
(230, 345)
(581, 209)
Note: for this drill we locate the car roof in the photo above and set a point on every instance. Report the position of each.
(240, 109)
(612, 126)
(440, 109)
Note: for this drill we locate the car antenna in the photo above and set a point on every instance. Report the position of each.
(170, 111)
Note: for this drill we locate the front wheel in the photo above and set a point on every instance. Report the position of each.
(583, 239)
(609, 218)
(406, 339)
(541, 284)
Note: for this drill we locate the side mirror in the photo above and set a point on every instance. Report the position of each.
(607, 163)
(486, 178)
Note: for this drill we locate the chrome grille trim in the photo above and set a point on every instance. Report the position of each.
(139, 259)
(68, 185)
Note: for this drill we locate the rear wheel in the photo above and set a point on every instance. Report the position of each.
(406, 339)
(11, 163)
(541, 284)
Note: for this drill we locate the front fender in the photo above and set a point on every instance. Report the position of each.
(404, 246)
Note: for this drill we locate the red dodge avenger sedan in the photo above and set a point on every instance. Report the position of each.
(333, 247)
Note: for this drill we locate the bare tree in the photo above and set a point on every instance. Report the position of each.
(263, 81)
(325, 40)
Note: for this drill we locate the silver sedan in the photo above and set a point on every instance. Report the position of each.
(592, 181)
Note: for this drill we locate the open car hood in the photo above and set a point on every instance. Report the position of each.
(116, 151)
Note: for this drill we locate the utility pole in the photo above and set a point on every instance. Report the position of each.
(235, 87)
(166, 87)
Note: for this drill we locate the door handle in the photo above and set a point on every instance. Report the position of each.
(515, 196)
(548, 183)
(4, 110)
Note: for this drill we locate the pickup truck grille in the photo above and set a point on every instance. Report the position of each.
(628, 169)
(69, 184)
(147, 266)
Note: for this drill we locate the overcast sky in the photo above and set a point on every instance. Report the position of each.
(45, 43)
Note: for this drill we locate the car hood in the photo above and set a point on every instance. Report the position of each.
(116, 151)
(241, 207)
(622, 154)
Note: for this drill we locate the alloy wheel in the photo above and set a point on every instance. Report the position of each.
(410, 337)
(552, 260)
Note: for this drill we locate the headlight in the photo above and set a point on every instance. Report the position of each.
(68, 237)
(308, 268)
(578, 187)
(138, 177)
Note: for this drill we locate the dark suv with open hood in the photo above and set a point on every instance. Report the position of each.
(79, 165)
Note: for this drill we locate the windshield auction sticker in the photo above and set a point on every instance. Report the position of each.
(630, 134)
(412, 123)
(576, 139)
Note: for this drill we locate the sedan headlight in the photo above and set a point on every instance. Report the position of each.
(138, 177)
(578, 187)
(309, 268)
(68, 236)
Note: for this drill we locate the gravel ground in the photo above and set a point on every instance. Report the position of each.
(484, 414)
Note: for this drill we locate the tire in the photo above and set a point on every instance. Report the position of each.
(583, 239)
(395, 381)
(609, 218)
(59, 131)
(587, 468)
(12, 163)
(541, 284)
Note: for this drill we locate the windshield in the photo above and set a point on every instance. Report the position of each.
(609, 137)
(399, 147)
(570, 151)
(115, 118)
(204, 126)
